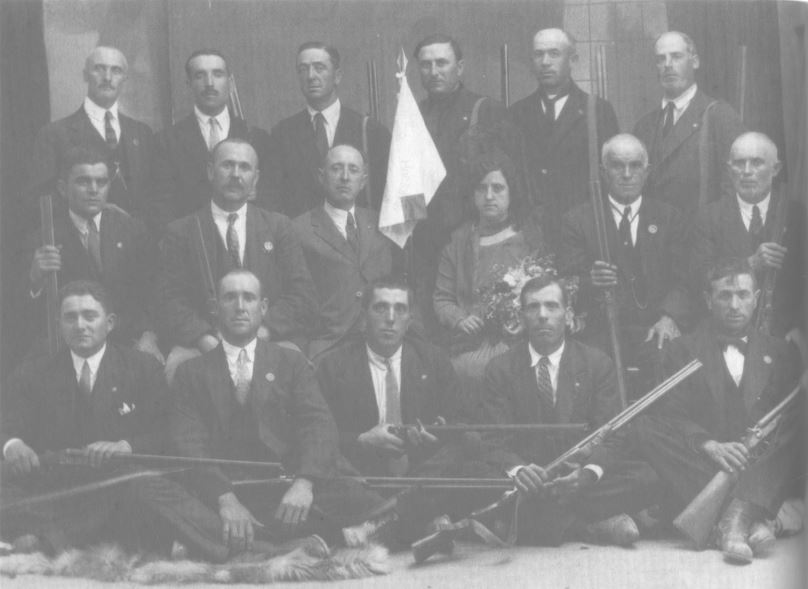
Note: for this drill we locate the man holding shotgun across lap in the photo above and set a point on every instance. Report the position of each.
(698, 428)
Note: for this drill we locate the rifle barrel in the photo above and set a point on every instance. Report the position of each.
(400, 482)
(506, 427)
(75, 456)
(51, 279)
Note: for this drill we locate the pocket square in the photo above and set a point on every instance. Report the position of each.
(126, 408)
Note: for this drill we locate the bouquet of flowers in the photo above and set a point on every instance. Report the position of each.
(500, 298)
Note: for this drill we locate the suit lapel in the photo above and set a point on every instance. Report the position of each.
(756, 371)
(367, 234)
(361, 380)
(238, 128)
(108, 233)
(688, 123)
(105, 389)
(306, 144)
(572, 111)
(212, 242)
(130, 144)
(324, 228)
(568, 385)
(193, 140)
(736, 233)
(714, 358)
(412, 378)
(528, 409)
(646, 240)
(217, 375)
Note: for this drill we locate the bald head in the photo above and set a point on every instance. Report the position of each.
(753, 165)
(105, 73)
(343, 176)
(553, 55)
(625, 167)
(623, 142)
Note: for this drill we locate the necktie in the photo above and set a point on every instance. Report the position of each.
(350, 232)
(544, 382)
(109, 131)
(94, 244)
(625, 227)
(85, 380)
(215, 133)
(725, 341)
(668, 124)
(392, 393)
(549, 106)
(320, 136)
(232, 239)
(242, 376)
(756, 223)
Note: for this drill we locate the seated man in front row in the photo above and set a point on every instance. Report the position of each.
(249, 399)
(697, 429)
(552, 379)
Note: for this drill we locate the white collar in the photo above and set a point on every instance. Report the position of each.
(96, 112)
(633, 206)
(680, 102)
(81, 223)
(381, 361)
(554, 357)
(331, 113)
(94, 361)
(232, 352)
(220, 214)
(223, 118)
(746, 207)
(339, 216)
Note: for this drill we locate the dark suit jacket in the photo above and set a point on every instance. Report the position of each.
(339, 275)
(587, 393)
(181, 167)
(40, 403)
(127, 260)
(698, 404)
(661, 244)
(272, 252)
(428, 384)
(556, 158)
(57, 137)
(720, 233)
(293, 166)
(675, 160)
(294, 421)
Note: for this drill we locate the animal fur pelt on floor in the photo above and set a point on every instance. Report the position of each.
(109, 563)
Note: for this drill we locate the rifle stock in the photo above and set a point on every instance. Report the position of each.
(700, 516)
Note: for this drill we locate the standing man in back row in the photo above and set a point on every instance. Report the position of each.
(689, 136)
(300, 143)
(554, 124)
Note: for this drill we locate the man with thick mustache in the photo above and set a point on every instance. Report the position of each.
(646, 238)
(182, 184)
(230, 233)
(300, 142)
(686, 119)
(126, 144)
(553, 123)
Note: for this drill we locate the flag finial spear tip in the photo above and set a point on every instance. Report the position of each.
(401, 61)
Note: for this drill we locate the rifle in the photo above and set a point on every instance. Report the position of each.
(234, 100)
(443, 540)
(505, 77)
(51, 280)
(700, 516)
(595, 192)
(765, 308)
(398, 482)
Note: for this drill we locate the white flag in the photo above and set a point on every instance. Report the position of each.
(414, 170)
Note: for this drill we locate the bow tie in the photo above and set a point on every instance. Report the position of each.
(725, 341)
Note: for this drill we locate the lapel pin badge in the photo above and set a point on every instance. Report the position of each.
(652, 229)
(767, 359)
(270, 377)
(268, 246)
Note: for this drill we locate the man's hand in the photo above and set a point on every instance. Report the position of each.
(576, 481)
(470, 325)
(21, 458)
(207, 342)
(100, 452)
(237, 524)
(664, 329)
(418, 436)
(148, 343)
(46, 259)
(379, 438)
(531, 480)
(603, 275)
(295, 505)
(768, 255)
(730, 456)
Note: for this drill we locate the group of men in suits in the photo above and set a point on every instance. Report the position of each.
(242, 299)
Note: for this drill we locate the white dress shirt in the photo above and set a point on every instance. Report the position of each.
(94, 361)
(223, 118)
(96, 115)
(633, 217)
(558, 105)
(553, 361)
(232, 352)
(378, 374)
(331, 115)
(735, 362)
(80, 223)
(746, 209)
(681, 102)
(220, 220)
(339, 217)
